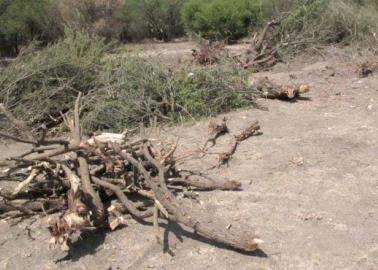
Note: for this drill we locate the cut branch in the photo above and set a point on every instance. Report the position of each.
(123, 199)
(26, 182)
(215, 131)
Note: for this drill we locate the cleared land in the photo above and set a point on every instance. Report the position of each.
(310, 187)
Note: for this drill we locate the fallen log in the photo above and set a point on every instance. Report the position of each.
(270, 90)
(251, 130)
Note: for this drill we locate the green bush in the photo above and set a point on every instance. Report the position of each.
(25, 20)
(135, 90)
(331, 20)
(40, 84)
(153, 19)
(101, 17)
(120, 91)
(222, 19)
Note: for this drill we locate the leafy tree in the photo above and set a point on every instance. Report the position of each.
(24, 20)
(102, 17)
(221, 19)
(154, 18)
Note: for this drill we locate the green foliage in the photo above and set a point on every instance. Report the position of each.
(304, 21)
(208, 91)
(101, 17)
(120, 92)
(332, 21)
(19, 15)
(154, 18)
(222, 19)
(24, 20)
(41, 84)
(139, 91)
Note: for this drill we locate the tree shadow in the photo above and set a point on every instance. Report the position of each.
(87, 244)
(304, 98)
(297, 99)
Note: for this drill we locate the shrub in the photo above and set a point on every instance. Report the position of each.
(331, 21)
(221, 19)
(101, 17)
(39, 85)
(137, 91)
(154, 19)
(24, 20)
(120, 92)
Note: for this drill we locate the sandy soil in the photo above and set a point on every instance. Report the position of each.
(310, 188)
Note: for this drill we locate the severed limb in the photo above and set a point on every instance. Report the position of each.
(215, 131)
(243, 241)
(271, 90)
(225, 156)
(123, 199)
(26, 182)
(91, 198)
(251, 130)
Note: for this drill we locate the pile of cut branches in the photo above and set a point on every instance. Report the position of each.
(262, 53)
(87, 183)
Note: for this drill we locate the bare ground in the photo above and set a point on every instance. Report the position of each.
(310, 188)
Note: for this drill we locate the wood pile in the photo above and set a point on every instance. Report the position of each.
(90, 183)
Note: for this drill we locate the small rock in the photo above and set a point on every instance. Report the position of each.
(341, 227)
(312, 216)
(298, 161)
(236, 218)
(26, 255)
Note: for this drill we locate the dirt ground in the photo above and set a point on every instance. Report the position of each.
(310, 188)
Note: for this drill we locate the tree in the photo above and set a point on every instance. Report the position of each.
(159, 19)
(102, 17)
(222, 19)
(24, 20)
